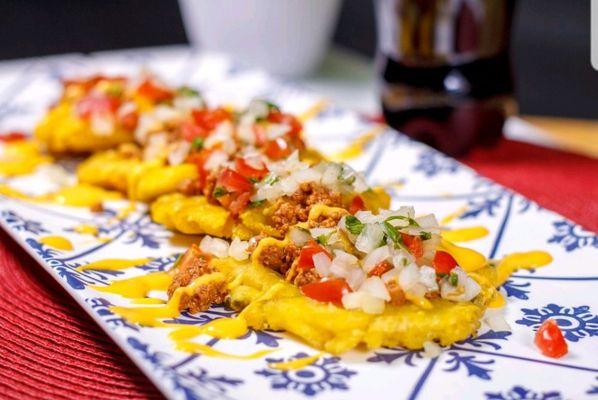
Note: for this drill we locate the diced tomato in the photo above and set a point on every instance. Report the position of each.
(277, 149)
(259, 132)
(414, 244)
(154, 91)
(380, 269)
(88, 83)
(550, 340)
(129, 120)
(307, 252)
(238, 205)
(248, 171)
(14, 136)
(357, 204)
(199, 159)
(281, 118)
(443, 262)
(210, 119)
(96, 104)
(232, 181)
(328, 291)
(190, 131)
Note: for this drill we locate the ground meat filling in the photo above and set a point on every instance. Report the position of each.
(304, 277)
(191, 266)
(289, 210)
(278, 258)
(327, 221)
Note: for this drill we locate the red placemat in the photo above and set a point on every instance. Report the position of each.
(50, 348)
(560, 181)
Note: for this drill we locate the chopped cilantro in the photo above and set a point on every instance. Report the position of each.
(197, 143)
(323, 239)
(254, 180)
(271, 106)
(114, 90)
(219, 191)
(425, 236)
(256, 203)
(354, 225)
(186, 91)
(441, 274)
(391, 232)
(271, 179)
(411, 221)
(453, 279)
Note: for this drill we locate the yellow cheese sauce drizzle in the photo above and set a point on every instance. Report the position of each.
(86, 229)
(465, 234)
(295, 364)
(57, 242)
(514, 261)
(21, 158)
(356, 148)
(80, 195)
(114, 264)
(138, 288)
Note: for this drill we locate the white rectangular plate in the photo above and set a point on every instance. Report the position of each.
(494, 365)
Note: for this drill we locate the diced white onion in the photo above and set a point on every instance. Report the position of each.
(299, 236)
(376, 257)
(369, 238)
(355, 278)
(178, 152)
(497, 323)
(375, 287)
(274, 131)
(238, 249)
(215, 160)
(364, 301)
(408, 277)
(322, 263)
(466, 288)
(392, 275)
(187, 103)
(315, 232)
(215, 246)
(427, 277)
(431, 349)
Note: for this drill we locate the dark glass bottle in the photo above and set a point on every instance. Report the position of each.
(445, 69)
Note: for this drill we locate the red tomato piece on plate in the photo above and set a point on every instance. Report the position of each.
(13, 136)
(550, 340)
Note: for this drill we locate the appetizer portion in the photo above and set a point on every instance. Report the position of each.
(258, 196)
(179, 146)
(340, 280)
(99, 112)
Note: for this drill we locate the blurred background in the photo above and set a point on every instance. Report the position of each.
(550, 44)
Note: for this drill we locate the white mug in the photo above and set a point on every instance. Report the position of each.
(284, 37)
